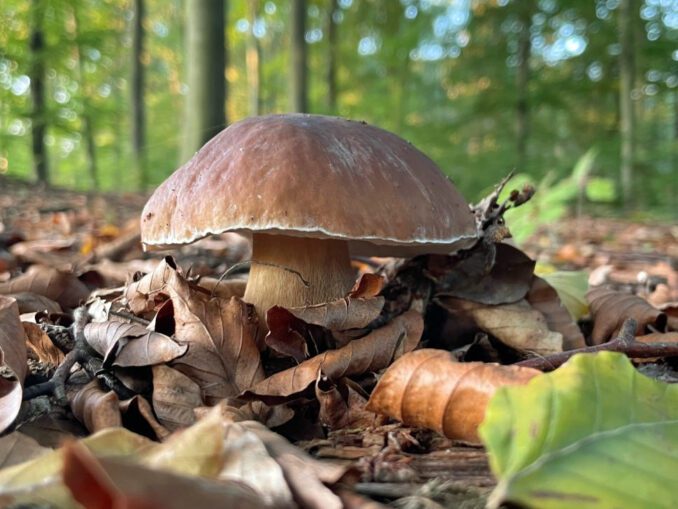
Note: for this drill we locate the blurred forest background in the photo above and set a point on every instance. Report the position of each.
(579, 96)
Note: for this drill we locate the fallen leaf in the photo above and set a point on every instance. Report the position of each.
(545, 299)
(146, 294)
(288, 334)
(137, 415)
(429, 388)
(95, 408)
(468, 278)
(41, 345)
(610, 309)
(368, 285)
(17, 447)
(30, 302)
(341, 314)
(174, 397)
(517, 325)
(12, 358)
(571, 286)
(62, 287)
(342, 404)
(129, 344)
(659, 337)
(593, 433)
(371, 353)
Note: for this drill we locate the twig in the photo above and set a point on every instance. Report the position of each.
(228, 272)
(624, 343)
(129, 316)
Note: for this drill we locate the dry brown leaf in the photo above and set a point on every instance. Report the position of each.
(288, 335)
(12, 358)
(137, 415)
(429, 388)
(341, 314)
(659, 337)
(129, 344)
(17, 447)
(467, 278)
(174, 397)
(371, 353)
(517, 325)
(342, 405)
(30, 302)
(146, 294)
(368, 285)
(225, 288)
(544, 298)
(95, 408)
(610, 308)
(98, 483)
(41, 345)
(222, 355)
(62, 287)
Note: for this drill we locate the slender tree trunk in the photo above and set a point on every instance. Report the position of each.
(298, 71)
(332, 54)
(137, 94)
(86, 117)
(253, 61)
(522, 85)
(627, 126)
(205, 113)
(37, 76)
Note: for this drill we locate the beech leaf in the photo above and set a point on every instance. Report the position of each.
(62, 287)
(429, 388)
(594, 433)
(174, 397)
(611, 308)
(373, 352)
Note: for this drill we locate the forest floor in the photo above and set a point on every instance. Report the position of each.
(55, 226)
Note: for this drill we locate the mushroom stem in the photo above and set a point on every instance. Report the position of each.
(297, 271)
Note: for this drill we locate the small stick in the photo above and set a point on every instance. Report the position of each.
(624, 343)
(130, 317)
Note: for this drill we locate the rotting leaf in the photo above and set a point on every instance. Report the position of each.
(429, 388)
(545, 299)
(594, 433)
(13, 358)
(610, 308)
(517, 325)
(371, 353)
(62, 287)
(129, 344)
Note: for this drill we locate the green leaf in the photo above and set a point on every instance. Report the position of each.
(571, 287)
(593, 434)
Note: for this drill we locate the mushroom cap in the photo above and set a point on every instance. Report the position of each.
(311, 176)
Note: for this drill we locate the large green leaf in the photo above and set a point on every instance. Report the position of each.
(571, 287)
(593, 434)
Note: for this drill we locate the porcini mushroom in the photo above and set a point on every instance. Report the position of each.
(310, 190)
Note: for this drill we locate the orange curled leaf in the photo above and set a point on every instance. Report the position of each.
(610, 309)
(369, 285)
(429, 388)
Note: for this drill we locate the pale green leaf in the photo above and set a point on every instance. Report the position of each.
(571, 287)
(593, 434)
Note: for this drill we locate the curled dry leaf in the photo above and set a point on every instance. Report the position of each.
(342, 404)
(30, 302)
(137, 415)
(371, 353)
(341, 314)
(222, 355)
(368, 285)
(62, 287)
(146, 294)
(174, 397)
(429, 388)
(41, 345)
(95, 408)
(129, 344)
(544, 298)
(610, 308)
(12, 358)
(517, 325)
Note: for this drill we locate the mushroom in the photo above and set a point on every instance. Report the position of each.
(310, 190)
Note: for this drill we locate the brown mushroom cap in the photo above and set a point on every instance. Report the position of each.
(311, 176)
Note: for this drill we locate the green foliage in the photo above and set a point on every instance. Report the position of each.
(571, 286)
(595, 433)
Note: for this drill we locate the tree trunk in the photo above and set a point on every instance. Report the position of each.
(205, 113)
(253, 61)
(137, 94)
(332, 51)
(522, 86)
(298, 71)
(627, 118)
(37, 76)
(87, 122)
